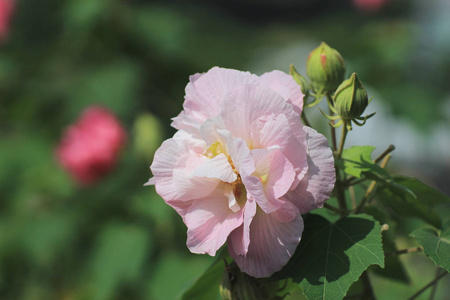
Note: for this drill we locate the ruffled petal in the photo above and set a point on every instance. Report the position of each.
(210, 222)
(247, 110)
(186, 122)
(275, 176)
(280, 176)
(272, 244)
(209, 130)
(277, 132)
(239, 152)
(315, 188)
(205, 94)
(216, 167)
(247, 104)
(286, 86)
(173, 165)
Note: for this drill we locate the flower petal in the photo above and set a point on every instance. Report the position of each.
(173, 164)
(205, 94)
(247, 104)
(315, 188)
(275, 176)
(248, 108)
(276, 131)
(151, 181)
(286, 86)
(210, 221)
(239, 152)
(216, 167)
(272, 244)
(239, 239)
(280, 173)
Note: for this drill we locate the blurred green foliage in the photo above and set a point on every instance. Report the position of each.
(117, 239)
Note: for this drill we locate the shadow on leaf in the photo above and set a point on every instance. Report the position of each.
(334, 254)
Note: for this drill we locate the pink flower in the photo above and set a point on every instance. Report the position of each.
(6, 9)
(369, 5)
(242, 168)
(90, 147)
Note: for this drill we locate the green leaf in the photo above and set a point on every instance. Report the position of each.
(394, 268)
(206, 287)
(426, 204)
(331, 256)
(357, 162)
(357, 159)
(436, 244)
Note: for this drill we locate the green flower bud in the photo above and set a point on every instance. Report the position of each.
(301, 81)
(350, 99)
(325, 68)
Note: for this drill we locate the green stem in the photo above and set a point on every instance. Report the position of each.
(371, 187)
(433, 282)
(341, 177)
(335, 209)
(341, 144)
(433, 290)
(386, 152)
(351, 190)
(340, 195)
(351, 181)
(333, 131)
(304, 119)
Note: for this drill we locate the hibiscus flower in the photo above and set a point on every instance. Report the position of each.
(90, 147)
(242, 168)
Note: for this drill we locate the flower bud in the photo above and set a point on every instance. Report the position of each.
(301, 81)
(350, 99)
(325, 68)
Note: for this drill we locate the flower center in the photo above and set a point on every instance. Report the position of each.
(238, 188)
(214, 150)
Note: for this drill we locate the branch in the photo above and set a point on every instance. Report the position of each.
(372, 186)
(433, 282)
(386, 152)
(404, 251)
(336, 209)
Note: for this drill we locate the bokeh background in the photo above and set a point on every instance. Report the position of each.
(116, 239)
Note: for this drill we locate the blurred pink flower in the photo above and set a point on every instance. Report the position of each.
(370, 5)
(90, 147)
(242, 168)
(6, 9)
